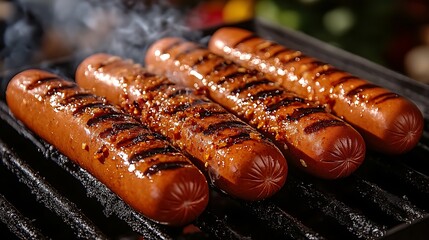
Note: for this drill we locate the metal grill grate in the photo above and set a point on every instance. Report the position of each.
(44, 194)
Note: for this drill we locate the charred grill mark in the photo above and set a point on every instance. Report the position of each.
(42, 81)
(250, 85)
(188, 51)
(76, 97)
(220, 67)
(343, 80)
(100, 105)
(360, 89)
(314, 64)
(54, 90)
(245, 39)
(180, 92)
(165, 166)
(203, 113)
(322, 124)
(231, 77)
(299, 113)
(117, 128)
(172, 45)
(142, 137)
(236, 139)
(201, 60)
(284, 102)
(280, 51)
(292, 59)
(325, 73)
(152, 152)
(184, 106)
(266, 94)
(108, 116)
(384, 97)
(216, 127)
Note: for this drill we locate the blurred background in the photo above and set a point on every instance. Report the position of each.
(393, 33)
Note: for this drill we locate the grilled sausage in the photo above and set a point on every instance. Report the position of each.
(139, 165)
(315, 141)
(388, 122)
(236, 157)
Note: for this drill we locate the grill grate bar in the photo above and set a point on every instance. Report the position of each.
(398, 208)
(355, 222)
(217, 227)
(49, 196)
(401, 173)
(280, 221)
(16, 222)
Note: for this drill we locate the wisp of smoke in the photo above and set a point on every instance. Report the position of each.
(89, 26)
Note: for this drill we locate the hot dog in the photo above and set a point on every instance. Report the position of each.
(388, 122)
(236, 157)
(138, 165)
(315, 141)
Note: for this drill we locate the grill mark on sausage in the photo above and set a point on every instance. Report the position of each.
(42, 81)
(343, 80)
(292, 59)
(322, 124)
(360, 89)
(236, 139)
(201, 60)
(250, 85)
(231, 77)
(188, 51)
(100, 105)
(384, 97)
(266, 94)
(245, 39)
(284, 102)
(314, 64)
(216, 127)
(325, 73)
(76, 97)
(165, 166)
(280, 51)
(54, 90)
(142, 137)
(184, 106)
(180, 92)
(152, 152)
(108, 116)
(299, 113)
(203, 113)
(117, 128)
(220, 67)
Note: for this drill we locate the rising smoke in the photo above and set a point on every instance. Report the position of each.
(82, 27)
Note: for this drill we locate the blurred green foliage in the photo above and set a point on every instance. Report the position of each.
(363, 27)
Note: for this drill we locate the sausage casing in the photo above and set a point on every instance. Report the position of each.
(317, 142)
(138, 165)
(388, 122)
(236, 157)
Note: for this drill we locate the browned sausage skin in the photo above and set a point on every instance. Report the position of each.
(317, 142)
(140, 166)
(388, 122)
(237, 158)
